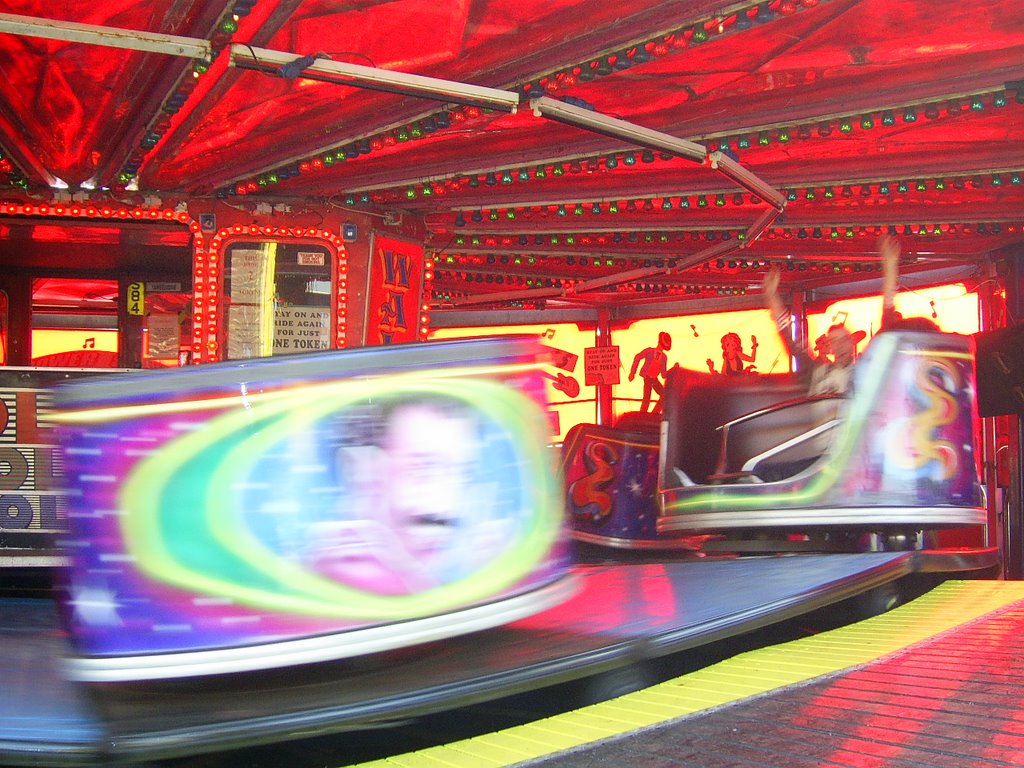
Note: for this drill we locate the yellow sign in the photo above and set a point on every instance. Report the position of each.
(136, 298)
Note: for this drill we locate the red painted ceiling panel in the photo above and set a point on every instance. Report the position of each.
(854, 97)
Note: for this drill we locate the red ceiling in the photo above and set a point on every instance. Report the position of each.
(802, 92)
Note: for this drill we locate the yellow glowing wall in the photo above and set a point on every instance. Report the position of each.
(950, 307)
(697, 339)
(74, 348)
(565, 337)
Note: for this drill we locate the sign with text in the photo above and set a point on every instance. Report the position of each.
(163, 286)
(601, 365)
(310, 258)
(249, 270)
(301, 329)
(396, 283)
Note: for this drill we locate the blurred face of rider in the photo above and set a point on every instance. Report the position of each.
(430, 451)
(841, 345)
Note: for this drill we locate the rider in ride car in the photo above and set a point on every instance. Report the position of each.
(826, 376)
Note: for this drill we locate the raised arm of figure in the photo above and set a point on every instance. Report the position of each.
(889, 251)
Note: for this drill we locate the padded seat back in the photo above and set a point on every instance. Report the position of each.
(696, 404)
(638, 421)
(770, 431)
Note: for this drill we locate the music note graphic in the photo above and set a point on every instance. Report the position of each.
(695, 334)
(548, 334)
(89, 344)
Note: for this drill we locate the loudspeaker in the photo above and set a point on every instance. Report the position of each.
(1000, 367)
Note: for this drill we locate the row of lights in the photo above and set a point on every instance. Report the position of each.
(595, 239)
(975, 181)
(525, 174)
(509, 280)
(513, 281)
(490, 260)
(91, 211)
(733, 145)
(835, 232)
(352, 150)
(429, 275)
(677, 40)
(842, 126)
(532, 260)
(663, 288)
(683, 202)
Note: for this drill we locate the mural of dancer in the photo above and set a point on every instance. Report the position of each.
(733, 356)
(655, 364)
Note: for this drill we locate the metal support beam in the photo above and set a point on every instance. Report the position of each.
(571, 114)
(604, 414)
(343, 73)
(92, 34)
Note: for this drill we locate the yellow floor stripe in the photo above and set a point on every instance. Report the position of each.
(948, 606)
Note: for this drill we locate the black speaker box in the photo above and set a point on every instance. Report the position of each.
(1000, 366)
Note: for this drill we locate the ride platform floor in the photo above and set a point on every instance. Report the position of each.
(622, 616)
(936, 682)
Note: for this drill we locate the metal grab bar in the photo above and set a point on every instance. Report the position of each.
(724, 428)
